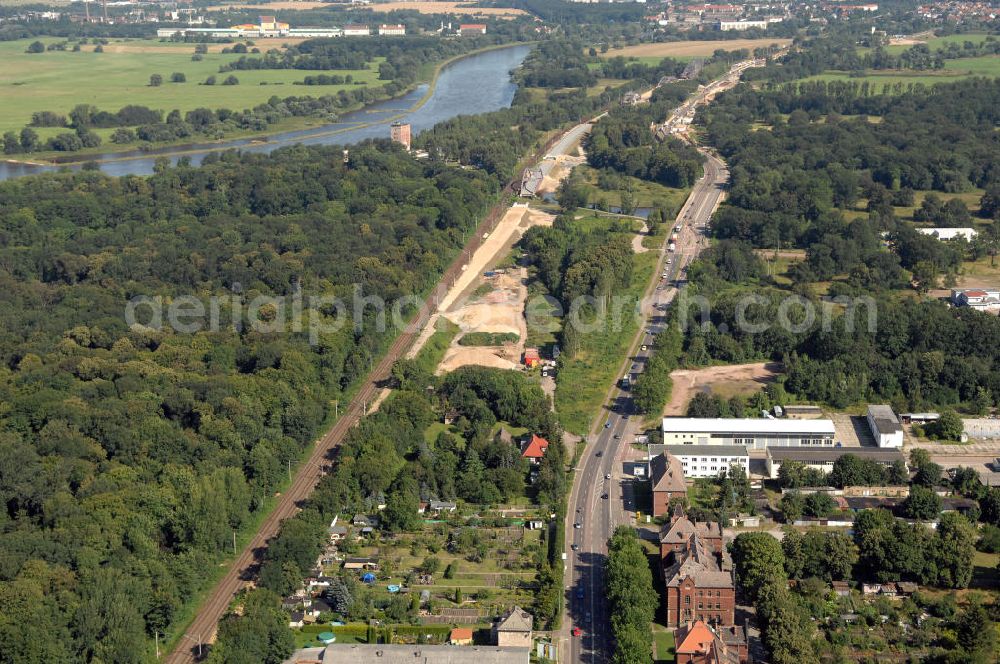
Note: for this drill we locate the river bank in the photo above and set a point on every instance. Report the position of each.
(475, 82)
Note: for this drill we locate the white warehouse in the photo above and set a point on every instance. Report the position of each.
(885, 426)
(705, 460)
(755, 434)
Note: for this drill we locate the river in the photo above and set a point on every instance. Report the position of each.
(474, 84)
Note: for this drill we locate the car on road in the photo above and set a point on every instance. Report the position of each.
(604, 496)
(580, 592)
(618, 436)
(608, 475)
(644, 347)
(599, 453)
(587, 618)
(577, 631)
(577, 525)
(607, 425)
(575, 547)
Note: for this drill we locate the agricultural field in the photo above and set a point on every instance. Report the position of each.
(939, 42)
(685, 50)
(954, 70)
(51, 81)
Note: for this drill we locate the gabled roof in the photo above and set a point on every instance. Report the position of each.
(535, 448)
(515, 620)
(704, 645)
(694, 639)
(461, 634)
(699, 564)
(683, 528)
(667, 473)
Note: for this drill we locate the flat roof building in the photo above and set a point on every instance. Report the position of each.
(885, 426)
(756, 434)
(822, 459)
(705, 460)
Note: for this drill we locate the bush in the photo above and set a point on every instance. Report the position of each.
(989, 539)
(155, 81)
(488, 338)
(178, 77)
(210, 80)
(35, 47)
(231, 80)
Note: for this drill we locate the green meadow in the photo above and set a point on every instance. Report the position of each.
(954, 70)
(59, 80)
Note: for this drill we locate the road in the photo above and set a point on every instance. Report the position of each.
(201, 631)
(601, 498)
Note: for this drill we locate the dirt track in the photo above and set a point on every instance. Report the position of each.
(736, 377)
(692, 48)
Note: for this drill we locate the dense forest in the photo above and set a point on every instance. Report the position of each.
(914, 354)
(129, 455)
(788, 181)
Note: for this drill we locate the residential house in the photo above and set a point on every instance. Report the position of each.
(438, 506)
(461, 636)
(395, 30)
(534, 448)
(361, 563)
(531, 358)
(982, 299)
(513, 629)
(700, 643)
(841, 588)
(362, 521)
(296, 619)
(666, 475)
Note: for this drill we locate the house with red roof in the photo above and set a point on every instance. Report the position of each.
(531, 358)
(472, 29)
(699, 643)
(533, 449)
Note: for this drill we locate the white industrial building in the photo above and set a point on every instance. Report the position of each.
(705, 460)
(823, 459)
(755, 434)
(950, 233)
(885, 426)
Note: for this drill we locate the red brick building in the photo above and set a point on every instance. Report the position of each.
(697, 574)
(676, 536)
(667, 477)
